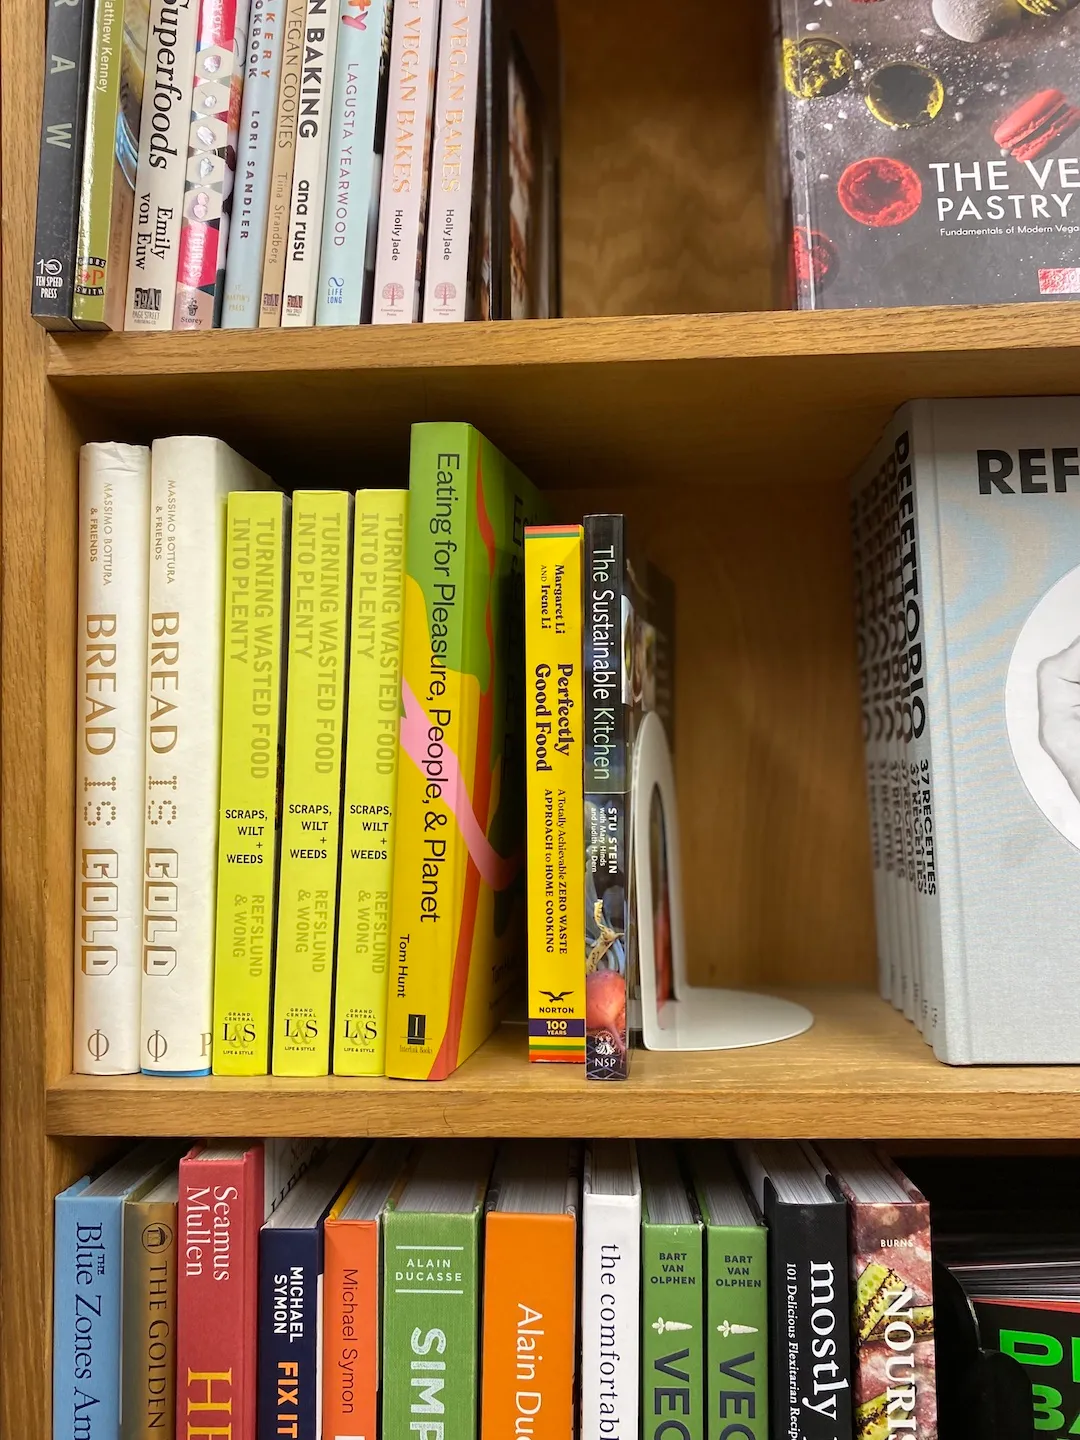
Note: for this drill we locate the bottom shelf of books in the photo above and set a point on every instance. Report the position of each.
(459, 1289)
(860, 1071)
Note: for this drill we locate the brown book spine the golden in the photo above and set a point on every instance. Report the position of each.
(148, 1346)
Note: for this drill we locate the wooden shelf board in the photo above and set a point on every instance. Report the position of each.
(861, 1071)
(737, 397)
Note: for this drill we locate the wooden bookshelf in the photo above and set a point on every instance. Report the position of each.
(861, 1071)
(727, 430)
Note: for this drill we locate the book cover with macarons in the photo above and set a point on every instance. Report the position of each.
(934, 148)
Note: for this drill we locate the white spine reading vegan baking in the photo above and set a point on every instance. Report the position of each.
(446, 273)
(309, 164)
(192, 477)
(163, 151)
(114, 537)
(254, 161)
(404, 197)
(610, 1310)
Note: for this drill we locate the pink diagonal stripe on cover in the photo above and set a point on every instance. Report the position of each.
(494, 869)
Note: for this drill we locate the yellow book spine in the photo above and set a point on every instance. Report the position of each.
(148, 1344)
(367, 834)
(554, 781)
(311, 810)
(256, 560)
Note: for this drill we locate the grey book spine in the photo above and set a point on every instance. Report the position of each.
(63, 121)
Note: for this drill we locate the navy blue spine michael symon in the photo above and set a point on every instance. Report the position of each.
(290, 1262)
(63, 121)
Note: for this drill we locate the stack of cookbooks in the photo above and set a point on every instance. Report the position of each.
(313, 162)
(459, 1290)
(300, 800)
(966, 537)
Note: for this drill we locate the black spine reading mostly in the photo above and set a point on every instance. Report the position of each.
(809, 1320)
(63, 123)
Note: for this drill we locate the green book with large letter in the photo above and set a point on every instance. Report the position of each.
(431, 1294)
(672, 1305)
(736, 1301)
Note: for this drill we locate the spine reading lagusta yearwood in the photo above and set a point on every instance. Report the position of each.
(110, 138)
(254, 160)
(163, 153)
(211, 165)
(281, 169)
(63, 120)
(449, 226)
(309, 164)
(553, 790)
(311, 808)
(192, 478)
(371, 765)
(403, 200)
(458, 868)
(114, 549)
(354, 162)
(253, 680)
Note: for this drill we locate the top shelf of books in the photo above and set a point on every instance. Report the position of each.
(580, 402)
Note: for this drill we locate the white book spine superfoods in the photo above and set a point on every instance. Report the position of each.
(192, 477)
(309, 163)
(449, 228)
(354, 164)
(114, 538)
(404, 195)
(610, 1308)
(163, 153)
(254, 161)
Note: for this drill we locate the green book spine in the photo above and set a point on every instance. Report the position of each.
(431, 1317)
(736, 1379)
(672, 1344)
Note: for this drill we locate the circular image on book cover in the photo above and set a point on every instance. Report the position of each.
(1042, 705)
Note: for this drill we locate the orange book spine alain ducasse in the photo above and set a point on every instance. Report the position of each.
(529, 1326)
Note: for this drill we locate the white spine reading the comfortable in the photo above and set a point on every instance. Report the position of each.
(449, 229)
(114, 508)
(163, 156)
(610, 1309)
(192, 477)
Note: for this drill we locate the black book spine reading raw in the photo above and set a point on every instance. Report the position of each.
(810, 1369)
(63, 122)
(608, 929)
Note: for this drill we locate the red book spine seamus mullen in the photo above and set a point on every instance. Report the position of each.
(220, 1213)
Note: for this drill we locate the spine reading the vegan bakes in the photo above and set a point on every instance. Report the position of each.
(192, 478)
(309, 164)
(63, 121)
(254, 161)
(457, 107)
(163, 155)
(105, 197)
(354, 163)
(403, 201)
(219, 1215)
(281, 170)
(114, 547)
(253, 681)
(368, 830)
(311, 808)
(608, 936)
(211, 165)
(554, 794)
